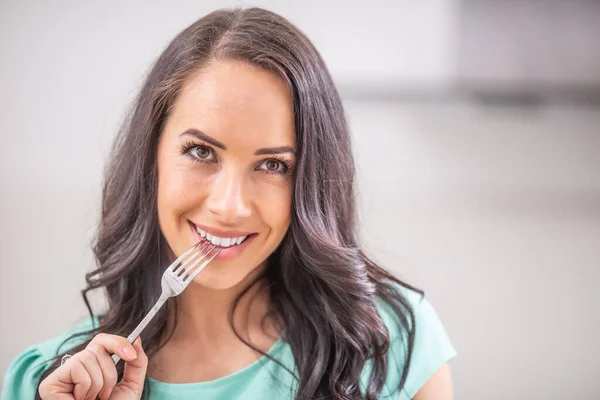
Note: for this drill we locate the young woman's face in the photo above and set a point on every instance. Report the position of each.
(225, 168)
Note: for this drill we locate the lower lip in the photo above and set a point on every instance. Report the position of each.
(226, 253)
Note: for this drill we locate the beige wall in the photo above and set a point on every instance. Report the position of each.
(494, 212)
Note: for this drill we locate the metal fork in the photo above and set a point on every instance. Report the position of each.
(175, 279)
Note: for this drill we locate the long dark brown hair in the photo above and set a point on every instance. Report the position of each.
(323, 288)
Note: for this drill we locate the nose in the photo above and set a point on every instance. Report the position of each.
(227, 199)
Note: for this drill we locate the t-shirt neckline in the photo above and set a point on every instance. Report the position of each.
(224, 380)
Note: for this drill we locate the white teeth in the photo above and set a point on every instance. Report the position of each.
(223, 242)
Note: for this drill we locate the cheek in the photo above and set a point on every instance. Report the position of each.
(179, 188)
(275, 203)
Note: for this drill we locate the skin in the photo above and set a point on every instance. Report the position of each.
(438, 387)
(245, 109)
(91, 373)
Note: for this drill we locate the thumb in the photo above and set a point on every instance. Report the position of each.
(135, 370)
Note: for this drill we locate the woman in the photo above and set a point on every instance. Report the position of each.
(239, 136)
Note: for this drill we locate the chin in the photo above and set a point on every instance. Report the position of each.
(216, 278)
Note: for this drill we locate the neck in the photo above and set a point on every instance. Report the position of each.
(203, 314)
(203, 345)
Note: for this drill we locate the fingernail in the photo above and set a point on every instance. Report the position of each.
(129, 352)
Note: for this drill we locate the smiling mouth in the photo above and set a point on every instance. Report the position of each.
(222, 242)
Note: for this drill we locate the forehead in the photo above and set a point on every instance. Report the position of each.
(232, 100)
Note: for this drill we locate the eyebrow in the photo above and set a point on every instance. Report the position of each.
(203, 136)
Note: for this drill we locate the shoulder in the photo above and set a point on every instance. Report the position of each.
(24, 372)
(432, 347)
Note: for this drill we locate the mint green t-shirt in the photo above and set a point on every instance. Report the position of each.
(265, 379)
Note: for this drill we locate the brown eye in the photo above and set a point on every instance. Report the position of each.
(201, 152)
(272, 165)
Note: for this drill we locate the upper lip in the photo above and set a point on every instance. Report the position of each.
(221, 233)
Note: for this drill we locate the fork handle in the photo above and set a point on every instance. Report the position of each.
(138, 330)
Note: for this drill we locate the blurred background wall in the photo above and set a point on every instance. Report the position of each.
(476, 130)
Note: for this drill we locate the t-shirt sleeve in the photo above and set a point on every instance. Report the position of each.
(432, 347)
(23, 374)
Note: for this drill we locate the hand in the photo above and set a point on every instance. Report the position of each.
(91, 373)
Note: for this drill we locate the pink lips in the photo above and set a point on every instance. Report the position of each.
(227, 253)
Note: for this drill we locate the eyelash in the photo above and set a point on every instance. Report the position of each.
(186, 147)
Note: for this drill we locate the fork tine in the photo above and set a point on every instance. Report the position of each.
(175, 264)
(201, 267)
(190, 268)
(193, 259)
(180, 263)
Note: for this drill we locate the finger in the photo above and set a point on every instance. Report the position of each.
(115, 344)
(90, 363)
(109, 371)
(135, 370)
(74, 373)
(56, 387)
